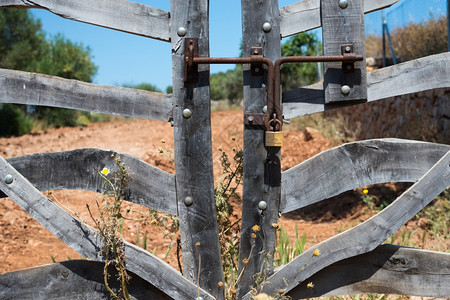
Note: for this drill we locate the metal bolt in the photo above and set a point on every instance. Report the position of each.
(265, 109)
(267, 27)
(255, 52)
(187, 113)
(262, 205)
(343, 3)
(345, 89)
(348, 67)
(9, 179)
(257, 70)
(181, 31)
(347, 49)
(188, 201)
(250, 119)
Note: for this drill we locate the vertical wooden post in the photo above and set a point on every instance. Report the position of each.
(261, 169)
(343, 24)
(193, 149)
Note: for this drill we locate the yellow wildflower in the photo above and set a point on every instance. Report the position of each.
(220, 148)
(253, 236)
(105, 171)
(316, 252)
(160, 150)
(275, 225)
(163, 141)
(233, 138)
(310, 285)
(365, 191)
(197, 244)
(220, 284)
(233, 291)
(255, 228)
(245, 261)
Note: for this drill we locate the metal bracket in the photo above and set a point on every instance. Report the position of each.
(347, 51)
(255, 119)
(257, 68)
(190, 68)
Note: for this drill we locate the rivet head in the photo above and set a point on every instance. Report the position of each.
(188, 201)
(267, 27)
(345, 89)
(343, 3)
(187, 113)
(262, 205)
(9, 179)
(250, 119)
(347, 49)
(265, 109)
(181, 31)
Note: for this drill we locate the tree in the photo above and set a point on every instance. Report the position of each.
(21, 40)
(299, 74)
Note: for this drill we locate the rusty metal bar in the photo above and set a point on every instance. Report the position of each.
(273, 113)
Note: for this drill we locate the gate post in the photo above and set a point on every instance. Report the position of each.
(193, 149)
(260, 28)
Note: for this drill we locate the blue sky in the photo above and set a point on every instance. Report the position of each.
(128, 59)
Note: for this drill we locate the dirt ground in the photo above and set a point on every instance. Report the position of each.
(24, 243)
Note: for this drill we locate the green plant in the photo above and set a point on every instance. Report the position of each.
(109, 225)
(286, 250)
(14, 121)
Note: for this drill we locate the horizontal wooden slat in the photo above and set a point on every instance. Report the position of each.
(76, 169)
(86, 240)
(38, 89)
(122, 15)
(366, 236)
(415, 272)
(73, 279)
(423, 74)
(354, 165)
(305, 15)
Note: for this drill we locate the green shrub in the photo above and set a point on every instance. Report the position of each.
(14, 121)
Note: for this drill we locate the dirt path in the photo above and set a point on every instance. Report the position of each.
(24, 243)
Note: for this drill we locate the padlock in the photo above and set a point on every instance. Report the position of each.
(274, 139)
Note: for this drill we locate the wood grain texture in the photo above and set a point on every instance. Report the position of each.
(261, 167)
(193, 150)
(305, 15)
(413, 272)
(76, 169)
(73, 279)
(86, 240)
(121, 15)
(38, 89)
(366, 236)
(357, 164)
(343, 27)
(423, 74)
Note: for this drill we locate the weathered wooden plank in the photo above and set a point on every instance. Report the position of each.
(354, 165)
(414, 272)
(121, 15)
(366, 236)
(305, 15)
(193, 150)
(261, 168)
(86, 240)
(76, 169)
(38, 89)
(392, 81)
(343, 26)
(73, 279)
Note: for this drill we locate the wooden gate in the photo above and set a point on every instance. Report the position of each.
(351, 262)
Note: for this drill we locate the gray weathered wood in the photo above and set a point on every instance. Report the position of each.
(305, 15)
(76, 169)
(193, 150)
(86, 240)
(74, 280)
(423, 74)
(122, 15)
(343, 27)
(366, 236)
(38, 89)
(357, 164)
(260, 181)
(386, 270)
